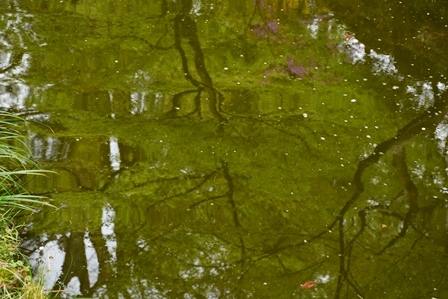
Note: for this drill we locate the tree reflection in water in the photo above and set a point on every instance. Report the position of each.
(233, 164)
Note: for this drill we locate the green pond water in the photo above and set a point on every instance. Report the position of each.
(233, 149)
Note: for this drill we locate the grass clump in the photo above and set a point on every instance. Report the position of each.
(15, 273)
(15, 164)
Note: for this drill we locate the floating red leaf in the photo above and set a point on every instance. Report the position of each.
(308, 284)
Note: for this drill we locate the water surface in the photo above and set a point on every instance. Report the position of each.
(223, 149)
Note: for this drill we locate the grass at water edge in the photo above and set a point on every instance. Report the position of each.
(16, 281)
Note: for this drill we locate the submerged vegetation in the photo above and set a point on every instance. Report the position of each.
(15, 273)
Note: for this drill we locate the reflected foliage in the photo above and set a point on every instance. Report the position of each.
(233, 150)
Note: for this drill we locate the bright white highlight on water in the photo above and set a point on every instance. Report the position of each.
(419, 171)
(93, 265)
(73, 288)
(48, 260)
(52, 148)
(107, 230)
(15, 96)
(422, 93)
(49, 148)
(196, 7)
(114, 155)
(138, 102)
(441, 86)
(441, 135)
(111, 98)
(314, 28)
(323, 278)
(357, 49)
(383, 63)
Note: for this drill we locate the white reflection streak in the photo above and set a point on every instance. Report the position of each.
(196, 7)
(93, 265)
(107, 230)
(73, 288)
(441, 135)
(114, 155)
(24, 65)
(65, 150)
(48, 260)
(314, 28)
(5, 59)
(37, 148)
(111, 97)
(16, 97)
(52, 148)
(16, 25)
(17, 92)
(157, 101)
(138, 102)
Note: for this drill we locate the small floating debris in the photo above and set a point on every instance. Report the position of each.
(308, 284)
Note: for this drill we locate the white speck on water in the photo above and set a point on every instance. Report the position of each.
(185, 170)
(353, 100)
(305, 115)
(372, 202)
(322, 278)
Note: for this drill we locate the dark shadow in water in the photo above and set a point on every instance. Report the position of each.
(426, 122)
(162, 239)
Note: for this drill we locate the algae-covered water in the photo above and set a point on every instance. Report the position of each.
(233, 149)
